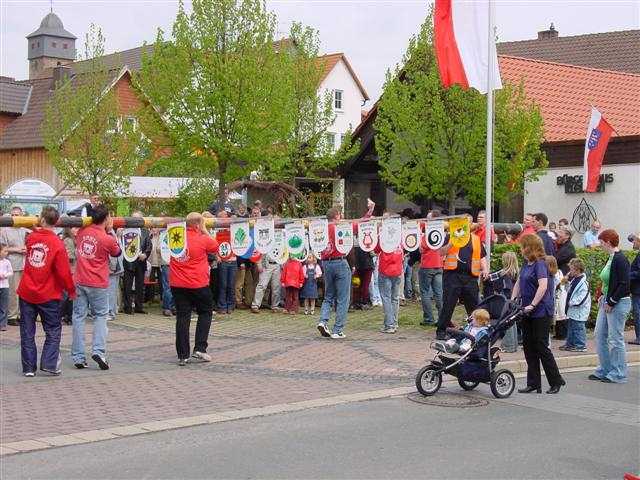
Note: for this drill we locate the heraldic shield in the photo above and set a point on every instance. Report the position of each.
(131, 244)
(263, 234)
(240, 238)
(318, 235)
(367, 236)
(177, 235)
(279, 252)
(294, 236)
(390, 234)
(165, 253)
(459, 232)
(344, 237)
(410, 235)
(434, 235)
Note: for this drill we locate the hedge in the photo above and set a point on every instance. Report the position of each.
(594, 261)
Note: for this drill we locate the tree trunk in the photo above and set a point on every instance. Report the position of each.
(222, 169)
(452, 202)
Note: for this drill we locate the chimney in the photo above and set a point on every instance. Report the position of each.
(60, 75)
(548, 34)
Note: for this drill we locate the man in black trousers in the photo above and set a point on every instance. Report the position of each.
(135, 271)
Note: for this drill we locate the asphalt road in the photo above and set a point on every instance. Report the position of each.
(590, 430)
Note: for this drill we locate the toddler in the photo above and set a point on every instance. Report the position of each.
(312, 272)
(292, 279)
(477, 328)
(577, 307)
(5, 272)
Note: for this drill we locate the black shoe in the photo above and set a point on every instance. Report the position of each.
(128, 311)
(530, 389)
(634, 342)
(606, 380)
(594, 377)
(554, 389)
(143, 312)
(102, 363)
(81, 365)
(13, 322)
(441, 336)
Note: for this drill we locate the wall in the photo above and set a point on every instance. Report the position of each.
(618, 207)
(340, 79)
(17, 165)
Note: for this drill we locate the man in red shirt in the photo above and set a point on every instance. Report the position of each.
(47, 273)
(94, 245)
(189, 281)
(430, 276)
(481, 230)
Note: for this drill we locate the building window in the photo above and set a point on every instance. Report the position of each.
(33, 45)
(38, 43)
(337, 99)
(330, 138)
(54, 44)
(131, 122)
(65, 46)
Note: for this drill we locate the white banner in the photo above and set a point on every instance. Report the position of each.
(165, 253)
(279, 252)
(434, 235)
(318, 235)
(294, 236)
(410, 235)
(240, 238)
(344, 237)
(368, 236)
(177, 238)
(390, 234)
(131, 239)
(263, 234)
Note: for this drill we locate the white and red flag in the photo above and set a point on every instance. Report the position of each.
(461, 42)
(598, 135)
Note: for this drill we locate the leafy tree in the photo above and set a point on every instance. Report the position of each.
(90, 146)
(431, 141)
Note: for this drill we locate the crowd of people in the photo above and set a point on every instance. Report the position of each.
(81, 272)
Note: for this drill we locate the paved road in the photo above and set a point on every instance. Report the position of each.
(591, 430)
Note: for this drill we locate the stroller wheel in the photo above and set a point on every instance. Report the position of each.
(428, 380)
(502, 383)
(467, 385)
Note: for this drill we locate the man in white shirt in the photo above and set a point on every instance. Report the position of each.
(590, 239)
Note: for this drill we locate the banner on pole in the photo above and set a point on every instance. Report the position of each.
(279, 252)
(177, 234)
(294, 236)
(318, 235)
(368, 236)
(344, 237)
(240, 238)
(390, 234)
(131, 239)
(459, 232)
(263, 234)
(434, 235)
(410, 236)
(165, 253)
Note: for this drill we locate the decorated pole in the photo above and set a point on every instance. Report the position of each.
(162, 222)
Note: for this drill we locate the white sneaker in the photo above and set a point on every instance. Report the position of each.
(205, 357)
(29, 374)
(337, 336)
(324, 331)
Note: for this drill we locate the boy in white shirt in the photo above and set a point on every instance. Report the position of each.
(5, 273)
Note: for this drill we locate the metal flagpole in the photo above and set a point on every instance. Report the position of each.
(489, 176)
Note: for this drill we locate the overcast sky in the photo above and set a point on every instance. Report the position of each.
(372, 33)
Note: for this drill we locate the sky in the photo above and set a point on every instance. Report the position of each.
(372, 33)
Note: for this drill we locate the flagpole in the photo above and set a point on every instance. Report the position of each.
(489, 174)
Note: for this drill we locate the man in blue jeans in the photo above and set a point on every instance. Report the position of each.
(430, 276)
(94, 245)
(634, 280)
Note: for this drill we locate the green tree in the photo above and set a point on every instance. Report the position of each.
(432, 141)
(91, 147)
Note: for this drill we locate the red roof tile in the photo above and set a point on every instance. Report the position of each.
(565, 94)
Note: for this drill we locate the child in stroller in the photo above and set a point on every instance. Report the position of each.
(476, 363)
(478, 326)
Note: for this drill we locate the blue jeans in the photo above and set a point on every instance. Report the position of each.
(114, 284)
(390, 293)
(96, 301)
(374, 291)
(50, 315)
(337, 290)
(430, 284)
(408, 287)
(576, 334)
(635, 303)
(227, 278)
(610, 341)
(167, 296)
(4, 306)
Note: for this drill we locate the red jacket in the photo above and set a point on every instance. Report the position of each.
(191, 270)
(292, 274)
(47, 272)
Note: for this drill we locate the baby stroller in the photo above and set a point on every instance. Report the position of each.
(478, 364)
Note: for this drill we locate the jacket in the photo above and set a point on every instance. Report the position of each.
(363, 260)
(47, 272)
(191, 270)
(578, 303)
(292, 274)
(547, 241)
(145, 248)
(564, 254)
(634, 275)
(618, 279)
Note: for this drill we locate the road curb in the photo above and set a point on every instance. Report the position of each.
(568, 363)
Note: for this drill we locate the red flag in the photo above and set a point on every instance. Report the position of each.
(598, 135)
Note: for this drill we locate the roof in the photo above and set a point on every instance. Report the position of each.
(328, 63)
(52, 25)
(14, 97)
(565, 94)
(619, 51)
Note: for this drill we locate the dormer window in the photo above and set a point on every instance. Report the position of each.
(54, 44)
(65, 46)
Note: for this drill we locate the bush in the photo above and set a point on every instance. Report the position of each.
(594, 261)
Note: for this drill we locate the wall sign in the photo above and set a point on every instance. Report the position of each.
(583, 216)
(573, 183)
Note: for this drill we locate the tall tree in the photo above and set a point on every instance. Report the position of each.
(431, 141)
(89, 144)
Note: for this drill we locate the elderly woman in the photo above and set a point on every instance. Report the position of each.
(614, 306)
(535, 289)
